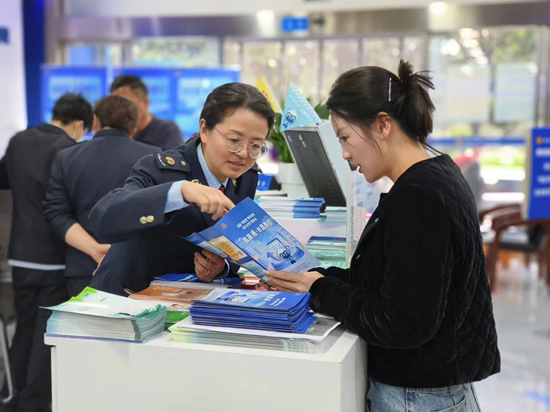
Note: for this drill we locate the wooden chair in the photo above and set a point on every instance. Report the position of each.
(535, 240)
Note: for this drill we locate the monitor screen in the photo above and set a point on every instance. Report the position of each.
(315, 166)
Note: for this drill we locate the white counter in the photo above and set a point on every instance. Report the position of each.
(161, 375)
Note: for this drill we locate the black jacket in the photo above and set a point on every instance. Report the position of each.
(155, 246)
(25, 169)
(81, 176)
(417, 290)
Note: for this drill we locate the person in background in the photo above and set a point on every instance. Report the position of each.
(417, 290)
(37, 258)
(471, 169)
(82, 175)
(171, 195)
(149, 129)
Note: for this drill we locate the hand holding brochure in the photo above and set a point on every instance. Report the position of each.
(248, 236)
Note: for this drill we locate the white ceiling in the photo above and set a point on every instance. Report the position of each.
(166, 8)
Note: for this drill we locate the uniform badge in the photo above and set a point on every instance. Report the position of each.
(183, 163)
(170, 161)
(235, 182)
(160, 159)
(196, 181)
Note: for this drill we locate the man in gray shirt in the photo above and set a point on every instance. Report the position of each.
(151, 130)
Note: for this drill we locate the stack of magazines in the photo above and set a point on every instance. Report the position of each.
(96, 314)
(334, 214)
(308, 342)
(192, 281)
(246, 309)
(292, 207)
(331, 251)
(176, 297)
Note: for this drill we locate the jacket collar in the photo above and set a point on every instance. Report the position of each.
(111, 133)
(190, 154)
(210, 178)
(56, 130)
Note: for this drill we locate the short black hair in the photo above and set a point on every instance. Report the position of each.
(134, 82)
(224, 100)
(72, 107)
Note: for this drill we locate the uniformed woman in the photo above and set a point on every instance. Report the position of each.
(173, 194)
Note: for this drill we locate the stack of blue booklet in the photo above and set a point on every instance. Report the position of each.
(262, 310)
(292, 207)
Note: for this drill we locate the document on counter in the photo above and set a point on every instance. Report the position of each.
(250, 237)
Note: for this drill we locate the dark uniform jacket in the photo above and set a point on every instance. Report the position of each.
(25, 169)
(417, 291)
(151, 242)
(80, 177)
(162, 133)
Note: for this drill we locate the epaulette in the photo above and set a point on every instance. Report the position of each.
(256, 168)
(172, 161)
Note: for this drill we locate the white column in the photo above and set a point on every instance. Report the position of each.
(13, 110)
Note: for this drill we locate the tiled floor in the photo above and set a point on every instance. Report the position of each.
(522, 312)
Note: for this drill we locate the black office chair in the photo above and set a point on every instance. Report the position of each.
(4, 352)
(6, 360)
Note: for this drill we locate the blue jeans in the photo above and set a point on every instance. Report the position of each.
(386, 398)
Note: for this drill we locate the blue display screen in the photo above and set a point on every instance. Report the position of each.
(174, 94)
(538, 198)
(91, 82)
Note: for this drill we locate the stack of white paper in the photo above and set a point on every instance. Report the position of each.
(309, 342)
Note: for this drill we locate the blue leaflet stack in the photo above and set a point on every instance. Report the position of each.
(292, 208)
(273, 311)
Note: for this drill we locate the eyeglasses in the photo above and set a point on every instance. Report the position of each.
(235, 144)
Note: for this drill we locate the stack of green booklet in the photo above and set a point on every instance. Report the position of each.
(96, 314)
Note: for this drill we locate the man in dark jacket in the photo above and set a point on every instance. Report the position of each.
(82, 175)
(149, 129)
(36, 257)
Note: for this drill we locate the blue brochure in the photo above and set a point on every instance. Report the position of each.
(267, 300)
(189, 277)
(248, 236)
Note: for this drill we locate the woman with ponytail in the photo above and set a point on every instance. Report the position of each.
(417, 290)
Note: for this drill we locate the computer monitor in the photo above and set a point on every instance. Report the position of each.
(318, 154)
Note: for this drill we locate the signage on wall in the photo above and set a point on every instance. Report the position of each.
(4, 35)
(295, 24)
(174, 94)
(90, 82)
(538, 175)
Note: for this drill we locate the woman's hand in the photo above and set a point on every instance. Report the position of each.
(210, 200)
(99, 251)
(292, 282)
(208, 266)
